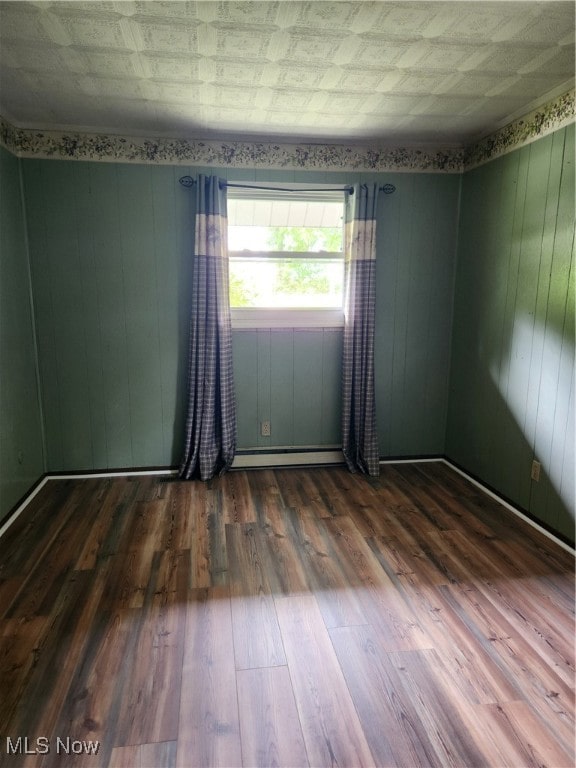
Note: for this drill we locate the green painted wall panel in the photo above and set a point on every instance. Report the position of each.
(387, 246)
(69, 313)
(548, 316)
(264, 385)
(308, 386)
(171, 208)
(92, 341)
(511, 389)
(111, 317)
(399, 292)
(42, 292)
(559, 330)
(331, 408)
(111, 262)
(415, 413)
(140, 298)
(282, 387)
(506, 270)
(21, 441)
(245, 356)
(416, 243)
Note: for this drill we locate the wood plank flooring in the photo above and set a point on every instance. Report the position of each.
(295, 617)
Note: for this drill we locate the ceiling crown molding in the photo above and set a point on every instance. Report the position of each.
(59, 145)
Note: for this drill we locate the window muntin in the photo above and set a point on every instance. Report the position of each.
(286, 255)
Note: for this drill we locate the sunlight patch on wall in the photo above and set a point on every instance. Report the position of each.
(536, 380)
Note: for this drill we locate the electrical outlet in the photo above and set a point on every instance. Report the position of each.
(265, 429)
(535, 473)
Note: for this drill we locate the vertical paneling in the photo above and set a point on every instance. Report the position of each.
(511, 207)
(108, 250)
(69, 314)
(513, 338)
(415, 264)
(140, 298)
(331, 406)
(41, 289)
(417, 297)
(111, 256)
(290, 377)
(439, 314)
(308, 386)
(21, 452)
(388, 235)
(560, 335)
(112, 316)
(282, 386)
(544, 254)
(527, 327)
(245, 355)
(561, 515)
(89, 269)
(401, 288)
(263, 392)
(172, 210)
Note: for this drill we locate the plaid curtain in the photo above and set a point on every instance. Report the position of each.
(211, 422)
(359, 436)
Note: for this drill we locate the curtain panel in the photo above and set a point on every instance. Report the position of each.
(359, 435)
(210, 434)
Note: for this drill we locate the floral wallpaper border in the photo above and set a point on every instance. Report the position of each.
(546, 119)
(285, 156)
(226, 154)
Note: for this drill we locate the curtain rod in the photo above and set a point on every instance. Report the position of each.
(188, 181)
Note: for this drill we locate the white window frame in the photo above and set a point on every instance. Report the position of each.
(297, 317)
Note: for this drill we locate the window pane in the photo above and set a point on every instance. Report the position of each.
(285, 213)
(295, 239)
(264, 233)
(286, 283)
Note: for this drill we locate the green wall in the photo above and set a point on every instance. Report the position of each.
(21, 453)
(512, 378)
(289, 377)
(110, 250)
(416, 243)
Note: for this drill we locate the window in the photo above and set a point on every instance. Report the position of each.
(286, 257)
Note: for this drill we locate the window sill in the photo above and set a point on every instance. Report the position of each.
(287, 318)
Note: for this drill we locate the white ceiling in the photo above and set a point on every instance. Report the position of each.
(415, 72)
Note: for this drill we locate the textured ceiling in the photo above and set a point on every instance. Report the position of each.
(416, 72)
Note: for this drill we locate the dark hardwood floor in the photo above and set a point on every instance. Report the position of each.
(283, 618)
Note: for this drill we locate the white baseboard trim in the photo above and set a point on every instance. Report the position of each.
(76, 476)
(504, 503)
(22, 506)
(411, 461)
(113, 473)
